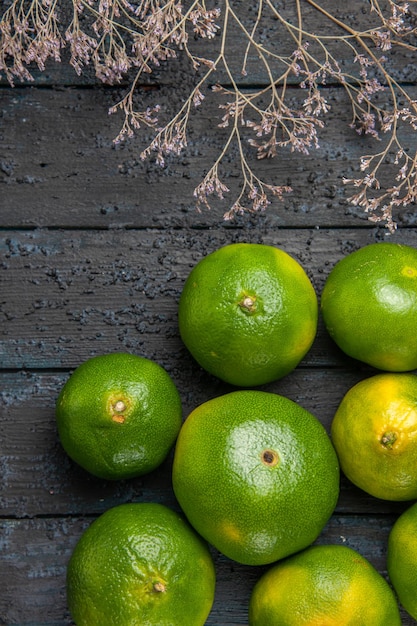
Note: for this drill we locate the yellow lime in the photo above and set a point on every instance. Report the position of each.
(369, 306)
(374, 432)
(325, 585)
(248, 313)
(140, 564)
(256, 475)
(118, 415)
(402, 559)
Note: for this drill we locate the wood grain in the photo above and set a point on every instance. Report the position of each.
(58, 168)
(38, 551)
(39, 479)
(72, 294)
(95, 246)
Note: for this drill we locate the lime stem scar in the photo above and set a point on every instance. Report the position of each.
(118, 408)
(248, 304)
(270, 457)
(388, 439)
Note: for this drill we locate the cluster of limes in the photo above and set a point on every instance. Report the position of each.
(254, 473)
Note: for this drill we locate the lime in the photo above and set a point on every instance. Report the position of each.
(118, 415)
(374, 431)
(140, 564)
(325, 585)
(369, 306)
(248, 313)
(402, 559)
(256, 475)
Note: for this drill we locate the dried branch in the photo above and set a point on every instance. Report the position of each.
(120, 38)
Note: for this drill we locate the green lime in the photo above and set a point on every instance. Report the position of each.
(324, 585)
(402, 559)
(374, 431)
(140, 565)
(118, 415)
(369, 306)
(256, 475)
(248, 313)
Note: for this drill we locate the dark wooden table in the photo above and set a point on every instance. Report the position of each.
(95, 249)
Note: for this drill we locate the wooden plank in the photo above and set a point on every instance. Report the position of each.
(58, 168)
(67, 295)
(35, 554)
(95, 248)
(39, 479)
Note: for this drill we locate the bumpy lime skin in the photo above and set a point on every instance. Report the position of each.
(248, 313)
(140, 564)
(374, 432)
(324, 584)
(118, 415)
(402, 559)
(256, 475)
(369, 306)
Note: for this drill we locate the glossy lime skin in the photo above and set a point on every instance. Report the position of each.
(331, 585)
(140, 564)
(111, 443)
(374, 432)
(248, 345)
(369, 306)
(256, 475)
(402, 559)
